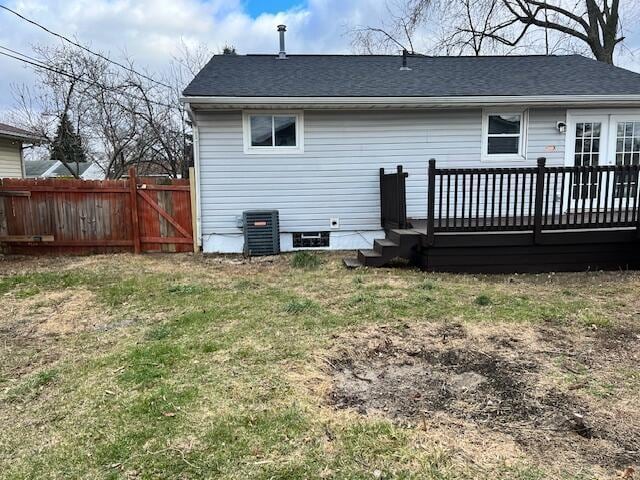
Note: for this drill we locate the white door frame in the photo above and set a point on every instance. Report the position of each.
(609, 119)
(576, 116)
(570, 147)
(612, 115)
(613, 137)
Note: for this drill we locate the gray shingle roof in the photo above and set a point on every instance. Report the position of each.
(63, 171)
(36, 168)
(10, 131)
(380, 76)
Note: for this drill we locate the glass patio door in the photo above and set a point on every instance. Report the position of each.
(587, 146)
(625, 150)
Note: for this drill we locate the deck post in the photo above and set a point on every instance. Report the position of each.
(637, 207)
(401, 193)
(135, 226)
(539, 202)
(431, 201)
(382, 199)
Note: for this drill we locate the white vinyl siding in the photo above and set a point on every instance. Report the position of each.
(337, 175)
(10, 159)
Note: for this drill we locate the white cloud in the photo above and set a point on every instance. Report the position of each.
(150, 31)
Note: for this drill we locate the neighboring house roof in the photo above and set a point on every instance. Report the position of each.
(37, 168)
(380, 76)
(9, 131)
(62, 170)
(55, 168)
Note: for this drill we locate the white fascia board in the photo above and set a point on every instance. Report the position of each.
(205, 102)
(49, 171)
(22, 137)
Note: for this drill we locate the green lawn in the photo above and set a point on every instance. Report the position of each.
(165, 366)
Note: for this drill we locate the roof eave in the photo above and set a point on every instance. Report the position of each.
(24, 137)
(219, 102)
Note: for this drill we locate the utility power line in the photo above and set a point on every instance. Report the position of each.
(24, 55)
(72, 42)
(38, 64)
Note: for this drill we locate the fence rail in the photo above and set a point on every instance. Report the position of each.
(532, 198)
(47, 216)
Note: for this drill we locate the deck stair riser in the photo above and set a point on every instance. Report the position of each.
(398, 244)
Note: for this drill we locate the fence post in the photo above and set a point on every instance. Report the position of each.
(537, 219)
(431, 201)
(133, 192)
(400, 192)
(382, 199)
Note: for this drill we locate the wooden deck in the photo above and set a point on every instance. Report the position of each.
(513, 224)
(515, 220)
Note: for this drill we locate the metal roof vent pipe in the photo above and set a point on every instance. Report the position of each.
(283, 54)
(404, 66)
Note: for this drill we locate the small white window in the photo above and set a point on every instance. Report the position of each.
(503, 135)
(268, 132)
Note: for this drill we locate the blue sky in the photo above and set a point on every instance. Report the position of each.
(256, 7)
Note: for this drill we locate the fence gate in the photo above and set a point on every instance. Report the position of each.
(139, 214)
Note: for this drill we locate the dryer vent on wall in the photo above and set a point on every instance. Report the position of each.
(261, 232)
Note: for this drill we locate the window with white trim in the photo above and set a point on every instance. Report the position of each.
(266, 132)
(503, 135)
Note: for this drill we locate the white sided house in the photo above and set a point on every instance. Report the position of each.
(307, 135)
(12, 144)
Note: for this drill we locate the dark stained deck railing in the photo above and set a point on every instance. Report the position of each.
(532, 198)
(393, 199)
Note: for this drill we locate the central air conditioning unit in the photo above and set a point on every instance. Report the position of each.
(261, 232)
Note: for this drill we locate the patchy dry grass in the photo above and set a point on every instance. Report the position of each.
(177, 366)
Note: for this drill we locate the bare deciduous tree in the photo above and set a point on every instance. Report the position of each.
(464, 31)
(125, 118)
(58, 95)
(500, 26)
(594, 23)
(395, 33)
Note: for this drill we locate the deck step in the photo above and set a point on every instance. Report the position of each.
(351, 262)
(400, 243)
(405, 231)
(385, 242)
(371, 258)
(386, 247)
(403, 237)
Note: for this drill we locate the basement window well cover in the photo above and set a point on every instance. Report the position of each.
(310, 239)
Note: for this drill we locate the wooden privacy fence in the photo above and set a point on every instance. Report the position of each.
(48, 216)
(532, 198)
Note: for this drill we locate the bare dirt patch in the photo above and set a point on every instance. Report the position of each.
(54, 313)
(526, 390)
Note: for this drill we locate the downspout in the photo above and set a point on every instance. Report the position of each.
(196, 167)
(22, 167)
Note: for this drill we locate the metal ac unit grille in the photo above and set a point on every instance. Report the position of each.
(261, 232)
